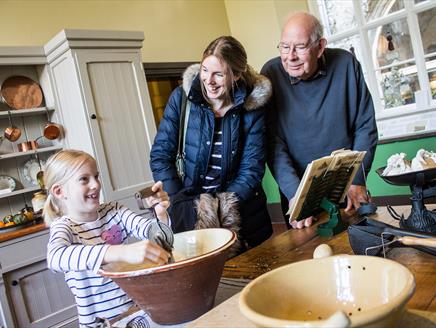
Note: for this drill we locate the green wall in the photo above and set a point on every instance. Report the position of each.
(379, 187)
(376, 185)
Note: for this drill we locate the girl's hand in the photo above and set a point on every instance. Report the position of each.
(161, 199)
(136, 253)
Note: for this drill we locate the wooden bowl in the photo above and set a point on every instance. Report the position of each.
(180, 291)
(367, 290)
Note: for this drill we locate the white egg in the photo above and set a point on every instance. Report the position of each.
(322, 250)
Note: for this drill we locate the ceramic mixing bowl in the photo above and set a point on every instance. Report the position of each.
(180, 291)
(342, 290)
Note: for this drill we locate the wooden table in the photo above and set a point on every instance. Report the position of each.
(296, 245)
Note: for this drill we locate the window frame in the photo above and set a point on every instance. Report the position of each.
(410, 12)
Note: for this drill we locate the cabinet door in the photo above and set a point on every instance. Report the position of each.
(120, 120)
(40, 297)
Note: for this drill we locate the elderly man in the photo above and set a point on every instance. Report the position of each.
(320, 103)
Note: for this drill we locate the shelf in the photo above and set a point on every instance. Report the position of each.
(20, 191)
(30, 152)
(25, 112)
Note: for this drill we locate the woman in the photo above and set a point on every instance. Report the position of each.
(224, 146)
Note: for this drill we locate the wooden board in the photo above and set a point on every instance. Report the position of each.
(22, 232)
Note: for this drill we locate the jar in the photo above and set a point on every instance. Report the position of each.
(38, 201)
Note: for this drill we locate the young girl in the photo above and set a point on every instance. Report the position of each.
(84, 234)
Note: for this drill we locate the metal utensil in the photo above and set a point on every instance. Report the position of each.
(161, 234)
(142, 194)
(405, 240)
(367, 236)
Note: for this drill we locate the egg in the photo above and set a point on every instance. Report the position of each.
(322, 250)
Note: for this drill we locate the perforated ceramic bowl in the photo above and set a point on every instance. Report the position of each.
(367, 290)
(181, 291)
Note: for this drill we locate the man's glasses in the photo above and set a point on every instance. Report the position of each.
(300, 49)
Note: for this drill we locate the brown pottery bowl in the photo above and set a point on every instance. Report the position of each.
(181, 291)
(335, 291)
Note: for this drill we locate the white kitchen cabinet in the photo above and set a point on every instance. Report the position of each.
(30, 294)
(103, 99)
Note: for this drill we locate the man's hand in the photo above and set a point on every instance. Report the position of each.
(356, 195)
(307, 222)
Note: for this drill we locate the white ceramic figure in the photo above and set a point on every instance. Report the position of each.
(424, 160)
(397, 164)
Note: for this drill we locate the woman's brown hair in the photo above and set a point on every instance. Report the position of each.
(232, 55)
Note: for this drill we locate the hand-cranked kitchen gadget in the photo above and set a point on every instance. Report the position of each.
(158, 232)
(422, 185)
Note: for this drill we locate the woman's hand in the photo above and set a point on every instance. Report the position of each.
(136, 253)
(161, 199)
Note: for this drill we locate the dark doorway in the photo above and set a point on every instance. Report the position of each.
(162, 79)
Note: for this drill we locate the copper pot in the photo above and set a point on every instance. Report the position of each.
(51, 130)
(12, 133)
(27, 145)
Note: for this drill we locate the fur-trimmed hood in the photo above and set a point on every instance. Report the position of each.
(258, 97)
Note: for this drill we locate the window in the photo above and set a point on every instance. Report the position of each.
(395, 41)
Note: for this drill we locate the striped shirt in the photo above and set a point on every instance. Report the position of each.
(78, 249)
(213, 174)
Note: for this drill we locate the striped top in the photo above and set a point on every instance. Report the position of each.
(213, 174)
(78, 249)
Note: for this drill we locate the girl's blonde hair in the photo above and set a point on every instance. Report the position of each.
(59, 168)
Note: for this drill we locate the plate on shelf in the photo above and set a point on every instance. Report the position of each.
(7, 184)
(31, 169)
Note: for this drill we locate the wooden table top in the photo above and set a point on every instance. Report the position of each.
(296, 245)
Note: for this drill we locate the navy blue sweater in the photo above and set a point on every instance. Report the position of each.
(312, 118)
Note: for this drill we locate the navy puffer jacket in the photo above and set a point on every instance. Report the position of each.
(244, 153)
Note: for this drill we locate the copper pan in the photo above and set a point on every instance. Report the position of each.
(12, 133)
(27, 145)
(51, 130)
(21, 92)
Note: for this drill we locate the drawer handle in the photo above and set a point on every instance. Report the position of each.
(14, 282)
(93, 116)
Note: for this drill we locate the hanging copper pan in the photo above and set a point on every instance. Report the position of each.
(20, 92)
(51, 130)
(12, 133)
(27, 145)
